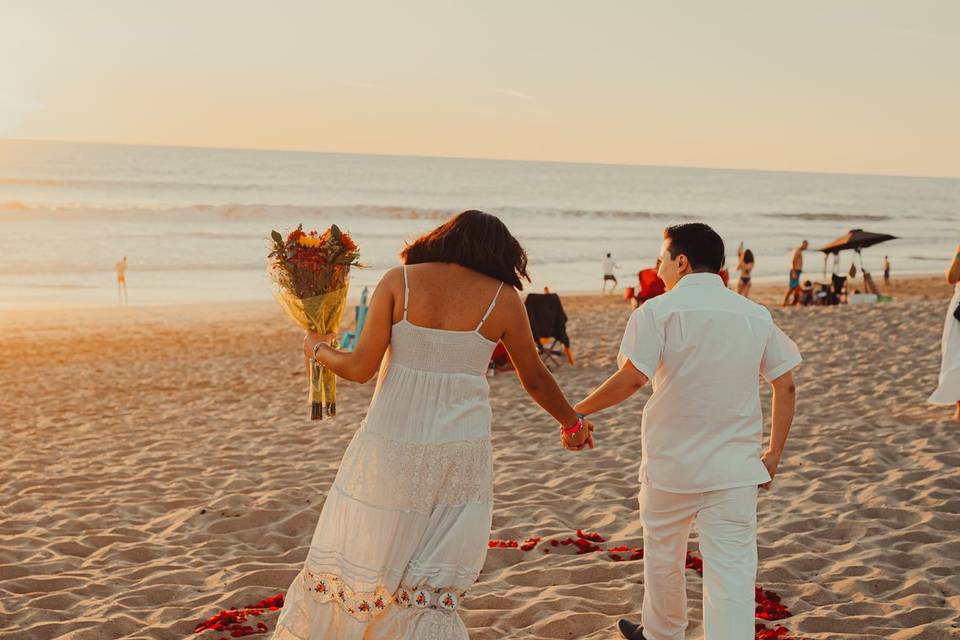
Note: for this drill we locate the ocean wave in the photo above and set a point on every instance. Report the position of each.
(267, 211)
(620, 214)
(135, 185)
(829, 217)
(225, 211)
(30, 182)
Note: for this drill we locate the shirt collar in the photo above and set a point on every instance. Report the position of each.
(700, 280)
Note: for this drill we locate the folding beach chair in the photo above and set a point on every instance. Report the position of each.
(548, 322)
(350, 338)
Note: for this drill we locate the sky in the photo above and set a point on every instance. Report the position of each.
(849, 86)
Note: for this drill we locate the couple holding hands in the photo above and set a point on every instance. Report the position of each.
(404, 529)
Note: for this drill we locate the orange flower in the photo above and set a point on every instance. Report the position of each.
(347, 242)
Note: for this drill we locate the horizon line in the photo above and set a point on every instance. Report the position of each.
(482, 158)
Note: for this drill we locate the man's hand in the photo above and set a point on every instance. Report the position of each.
(771, 461)
(579, 440)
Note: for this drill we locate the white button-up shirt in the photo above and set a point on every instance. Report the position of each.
(704, 348)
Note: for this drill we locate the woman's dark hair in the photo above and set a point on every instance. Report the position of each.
(747, 256)
(701, 244)
(475, 240)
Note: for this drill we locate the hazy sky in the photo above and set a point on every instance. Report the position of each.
(864, 86)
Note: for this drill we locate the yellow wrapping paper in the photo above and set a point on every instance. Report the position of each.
(322, 314)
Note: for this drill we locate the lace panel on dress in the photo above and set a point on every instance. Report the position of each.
(366, 605)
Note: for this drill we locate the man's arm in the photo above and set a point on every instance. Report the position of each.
(614, 390)
(784, 408)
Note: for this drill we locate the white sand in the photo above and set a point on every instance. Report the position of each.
(157, 465)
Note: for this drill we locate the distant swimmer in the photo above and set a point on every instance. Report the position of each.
(121, 268)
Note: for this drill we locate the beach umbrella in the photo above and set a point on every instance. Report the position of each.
(856, 239)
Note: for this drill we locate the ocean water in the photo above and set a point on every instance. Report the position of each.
(194, 222)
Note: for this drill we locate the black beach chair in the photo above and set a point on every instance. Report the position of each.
(548, 322)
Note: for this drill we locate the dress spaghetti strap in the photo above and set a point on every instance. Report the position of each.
(493, 303)
(406, 292)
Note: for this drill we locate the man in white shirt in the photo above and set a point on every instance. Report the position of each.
(608, 267)
(702, 457)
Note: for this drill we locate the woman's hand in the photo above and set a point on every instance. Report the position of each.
(311, 339)
(580, 439)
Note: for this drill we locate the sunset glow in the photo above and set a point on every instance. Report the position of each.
(817, 86)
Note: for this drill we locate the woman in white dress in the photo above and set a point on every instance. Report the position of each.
(404, 529)
(948, 390)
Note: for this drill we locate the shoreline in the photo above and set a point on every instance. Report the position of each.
(769, 293)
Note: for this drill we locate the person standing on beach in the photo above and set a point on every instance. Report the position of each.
(745, 267)
(948, 388)
(121, 268)
(404, 529)
(608, 268)
(701, 451)
(886, 270)
(796, 269)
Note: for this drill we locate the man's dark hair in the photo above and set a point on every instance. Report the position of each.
(608, 255)
(475, 240)
(702, 245)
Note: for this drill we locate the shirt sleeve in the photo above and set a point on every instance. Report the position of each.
(642, 342)
(780, 355)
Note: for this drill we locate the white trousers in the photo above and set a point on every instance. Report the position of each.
(727, 521)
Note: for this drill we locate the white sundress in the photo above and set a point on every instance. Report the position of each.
(404, 529)
(948, 389)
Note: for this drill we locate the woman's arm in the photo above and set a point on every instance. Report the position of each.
(362, 363)
(533, 374)
(953, 273)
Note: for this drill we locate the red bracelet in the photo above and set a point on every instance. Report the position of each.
(576, 427)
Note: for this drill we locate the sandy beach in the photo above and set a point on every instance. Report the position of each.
(157, 466)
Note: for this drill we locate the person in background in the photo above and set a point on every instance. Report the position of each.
(806, 294)
(745, 267)
(886, 270)
(608, 268)
(121, 268)
(948, 388)
(796, 268)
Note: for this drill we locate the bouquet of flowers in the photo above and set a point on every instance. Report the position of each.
(310, 271)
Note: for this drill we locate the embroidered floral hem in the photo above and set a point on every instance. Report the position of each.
(366, 605)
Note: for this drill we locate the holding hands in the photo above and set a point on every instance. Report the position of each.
(578, 436)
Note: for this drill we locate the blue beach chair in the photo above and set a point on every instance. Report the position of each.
(350, 338)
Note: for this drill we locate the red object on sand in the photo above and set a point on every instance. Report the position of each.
(233, 620)
(768, 607)
(500, 356)
(651, 285)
